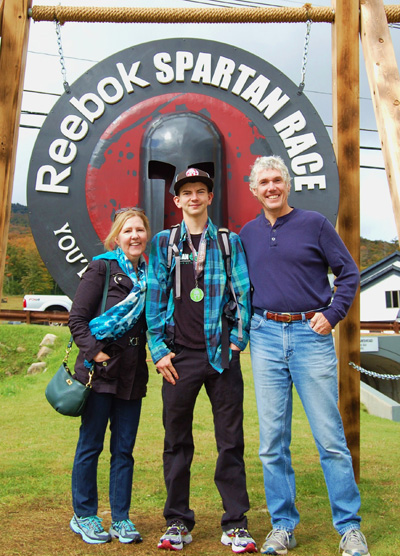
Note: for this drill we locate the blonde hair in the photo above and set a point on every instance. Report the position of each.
(119, 222)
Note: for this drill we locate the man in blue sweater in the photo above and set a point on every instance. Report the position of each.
(289, 252)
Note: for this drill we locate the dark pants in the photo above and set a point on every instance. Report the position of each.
(124, 418)
(225, 392)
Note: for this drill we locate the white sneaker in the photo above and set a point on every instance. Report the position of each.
(175, 536)
(353, 543)
(278, 541)
(239, 539)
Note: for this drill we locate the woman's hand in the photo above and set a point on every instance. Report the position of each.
(100, 357)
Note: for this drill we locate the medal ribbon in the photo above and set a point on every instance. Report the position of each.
(199, 257)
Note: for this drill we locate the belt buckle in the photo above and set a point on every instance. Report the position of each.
(288, 315)
(134, 341)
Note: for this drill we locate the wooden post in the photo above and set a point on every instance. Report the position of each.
(384, 82)
(346, 125)
(14, 43)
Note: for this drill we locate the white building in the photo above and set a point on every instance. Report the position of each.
(380, 290)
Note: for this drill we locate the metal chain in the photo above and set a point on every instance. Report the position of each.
(62, 61)
(305, 59)
(372, 373)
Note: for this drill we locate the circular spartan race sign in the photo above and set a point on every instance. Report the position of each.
(136, 119)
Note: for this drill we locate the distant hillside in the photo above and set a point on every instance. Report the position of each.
(373, 251)
(370, 251)
(19, 220)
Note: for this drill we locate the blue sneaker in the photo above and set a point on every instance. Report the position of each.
(125, 531)
(90, 529)
(353, 543)
(278, 541)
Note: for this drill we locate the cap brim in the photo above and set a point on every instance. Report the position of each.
(203, 179)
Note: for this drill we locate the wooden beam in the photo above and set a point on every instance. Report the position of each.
(346, 125)
(1, 13)
(384, 82)
(14, 43)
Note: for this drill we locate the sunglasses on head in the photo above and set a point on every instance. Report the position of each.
(125, 209)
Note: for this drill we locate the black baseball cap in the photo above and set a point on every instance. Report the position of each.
(192, 175)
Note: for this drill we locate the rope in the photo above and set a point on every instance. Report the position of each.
(392, 14)
(182, 15)
(194, 15)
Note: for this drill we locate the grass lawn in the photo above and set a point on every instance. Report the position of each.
(38, 448)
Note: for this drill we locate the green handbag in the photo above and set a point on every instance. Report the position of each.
(66, 394)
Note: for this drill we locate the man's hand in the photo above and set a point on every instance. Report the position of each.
(165, 367)
(234, 347)
(320, 324)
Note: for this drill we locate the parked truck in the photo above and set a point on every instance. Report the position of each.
(49, 303)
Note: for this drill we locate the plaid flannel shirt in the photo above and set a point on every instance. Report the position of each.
(160, 298)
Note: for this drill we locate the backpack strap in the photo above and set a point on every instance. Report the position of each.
(173, 251)
(225, 246)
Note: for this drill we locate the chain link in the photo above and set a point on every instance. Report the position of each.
(61, 53)
(372, 373)
(305, 57)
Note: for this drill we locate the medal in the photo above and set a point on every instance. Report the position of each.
(199, 257)
(196, 294)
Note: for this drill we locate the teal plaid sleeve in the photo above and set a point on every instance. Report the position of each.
(241, 285)
(159, 301)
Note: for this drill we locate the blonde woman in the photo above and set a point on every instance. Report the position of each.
(114, 342)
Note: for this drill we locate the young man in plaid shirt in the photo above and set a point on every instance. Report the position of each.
(185, 304)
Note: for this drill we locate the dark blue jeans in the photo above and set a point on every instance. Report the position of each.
(225, 392)
(124, 418)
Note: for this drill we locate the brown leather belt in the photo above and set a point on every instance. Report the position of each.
(283, 317)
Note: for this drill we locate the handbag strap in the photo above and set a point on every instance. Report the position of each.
(105, 289)
(102, 309)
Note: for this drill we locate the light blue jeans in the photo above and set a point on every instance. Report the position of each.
(283, 354)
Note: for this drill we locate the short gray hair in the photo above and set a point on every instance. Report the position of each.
(268, 163)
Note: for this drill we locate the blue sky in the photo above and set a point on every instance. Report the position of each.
(85, 44)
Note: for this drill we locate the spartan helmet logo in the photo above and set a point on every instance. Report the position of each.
(170, 144)
(192, 172)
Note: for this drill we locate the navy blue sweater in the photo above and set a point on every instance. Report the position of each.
(289, 262)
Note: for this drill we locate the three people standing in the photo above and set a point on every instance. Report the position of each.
(289, 252)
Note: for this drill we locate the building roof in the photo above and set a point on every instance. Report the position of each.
(380, 270)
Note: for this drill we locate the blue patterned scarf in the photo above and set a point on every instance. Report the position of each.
(119, 319)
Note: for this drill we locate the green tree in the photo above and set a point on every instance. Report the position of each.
(15, 269)
(36, 278)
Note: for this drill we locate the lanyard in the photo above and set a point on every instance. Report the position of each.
(199, 257)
